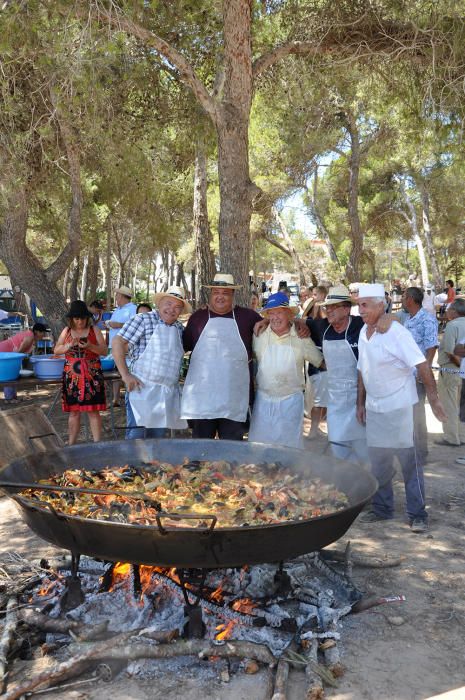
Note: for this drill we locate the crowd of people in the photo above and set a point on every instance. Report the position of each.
(336, 356)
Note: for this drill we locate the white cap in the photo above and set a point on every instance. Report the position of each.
(371, 290)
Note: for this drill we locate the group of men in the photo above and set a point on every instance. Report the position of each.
(378, 374)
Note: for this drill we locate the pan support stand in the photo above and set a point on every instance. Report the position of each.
(73, 595)
(282, 579)
(195, 580)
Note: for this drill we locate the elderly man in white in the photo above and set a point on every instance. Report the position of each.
(386, 395)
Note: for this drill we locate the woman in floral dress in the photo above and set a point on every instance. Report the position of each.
(83, 382)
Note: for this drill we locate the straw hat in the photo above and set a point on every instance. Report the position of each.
(174, 293)
(224, 281)
(336, 295)
(279, 301)
(125, 291)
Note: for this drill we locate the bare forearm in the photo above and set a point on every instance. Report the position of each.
(118, 350)
(361, 391)
(425, 375)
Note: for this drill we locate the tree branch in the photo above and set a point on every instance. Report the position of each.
(390, 38)
(187, 74)
(71, 249)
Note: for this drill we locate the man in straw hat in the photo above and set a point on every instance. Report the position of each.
(152, 381)
(125, 310)
(218, 386)
(278, 410)
(386, 395)
(337, 335)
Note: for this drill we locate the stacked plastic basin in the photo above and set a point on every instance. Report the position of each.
(48, 366)
(10, 365)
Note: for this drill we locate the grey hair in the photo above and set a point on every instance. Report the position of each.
(459, 306)
(379, 300)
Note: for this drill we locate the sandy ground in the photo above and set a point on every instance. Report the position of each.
(419, 658)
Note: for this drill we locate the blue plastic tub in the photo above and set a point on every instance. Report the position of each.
(107, 363)
(46, 367)
(10, 365)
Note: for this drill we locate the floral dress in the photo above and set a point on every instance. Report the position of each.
(83, 382)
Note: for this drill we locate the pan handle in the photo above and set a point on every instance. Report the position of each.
(37, 437)
(189, 516)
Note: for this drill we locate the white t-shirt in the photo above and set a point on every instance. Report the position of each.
(386, 362)
(428, 303)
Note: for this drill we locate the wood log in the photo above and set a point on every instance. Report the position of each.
(76, 664)
(11, 621)
(362, 560)
(200, 647)
(314, 682)
(282, 674)
(60, 626)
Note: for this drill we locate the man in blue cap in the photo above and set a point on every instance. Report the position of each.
(278, 411)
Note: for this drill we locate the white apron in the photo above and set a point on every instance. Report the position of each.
(389, 404)
(218, 381)
(157, 403)
(277, 418)
(342, 391)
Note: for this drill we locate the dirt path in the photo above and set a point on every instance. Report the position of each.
(419, 658)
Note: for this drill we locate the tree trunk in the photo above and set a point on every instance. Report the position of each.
(65, 283)
(298, 265)
(23, 267)
(109, 290)
(353, 270)
(73, 287)
(232, 124)
(318, 221)
(414, 225)
(85, 267)
(204, 260)
(437, 277)
(93, 268)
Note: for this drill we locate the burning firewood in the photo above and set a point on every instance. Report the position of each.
(315, 689)
(11, 621)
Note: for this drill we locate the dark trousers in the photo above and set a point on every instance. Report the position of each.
(382, 467)
(420, 431)
(225, 428)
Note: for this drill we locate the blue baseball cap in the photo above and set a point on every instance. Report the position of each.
(279, 301)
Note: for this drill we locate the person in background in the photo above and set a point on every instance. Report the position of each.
(143, 308)
(353, 290)
(278, 410)
(96, 308)
(450, 382)
(24, 341)
(254, 301)
(428, 300)
(218, 387)
(9, 314)
(459, 351)
(125, 310)
(83, 383)
(305, 301)
(388, 301)
(154, 340)
(386, 395)
(316, 391)
(424, 329)
(450, 292)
